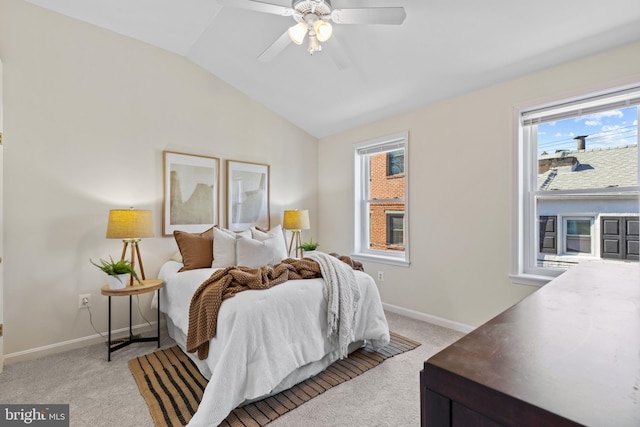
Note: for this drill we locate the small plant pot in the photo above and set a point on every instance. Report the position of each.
(118, 282)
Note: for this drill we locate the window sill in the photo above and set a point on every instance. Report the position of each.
(380, 259)
(530, 279)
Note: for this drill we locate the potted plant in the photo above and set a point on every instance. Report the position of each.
(117, 272)
(309, 246)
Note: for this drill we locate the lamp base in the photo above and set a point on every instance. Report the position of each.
(135, 252)
(295, 235)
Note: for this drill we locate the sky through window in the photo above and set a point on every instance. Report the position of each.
(607, 129)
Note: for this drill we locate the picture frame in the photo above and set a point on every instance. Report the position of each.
(247, 195)
(191, 195)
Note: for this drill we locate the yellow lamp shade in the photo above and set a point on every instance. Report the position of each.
(296, 220)
(129, 224)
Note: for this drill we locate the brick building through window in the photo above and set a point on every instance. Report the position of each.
(387, 216)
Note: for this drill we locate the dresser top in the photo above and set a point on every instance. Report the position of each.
(571, 348)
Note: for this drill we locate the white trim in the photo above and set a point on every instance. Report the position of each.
(566, 195)
(34, 353)
(530, 279)
(581, 106)
(368, 257)
(517, 204)
(360, 190)
(429, 318)
(383, 140)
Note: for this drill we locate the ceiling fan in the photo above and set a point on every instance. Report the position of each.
(313, 20)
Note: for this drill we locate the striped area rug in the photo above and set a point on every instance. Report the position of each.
(172, 386)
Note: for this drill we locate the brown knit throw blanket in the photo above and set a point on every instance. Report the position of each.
(225, 283)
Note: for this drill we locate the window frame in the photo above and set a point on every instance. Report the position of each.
(525, 218)
(361, 239)
(565, 235)
(390, 215)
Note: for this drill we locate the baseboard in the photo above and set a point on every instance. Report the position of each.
(456, 326)
(35, 353)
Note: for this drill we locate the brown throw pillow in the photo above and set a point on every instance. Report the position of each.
(196, 249)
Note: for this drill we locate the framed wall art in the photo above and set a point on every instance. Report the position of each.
(191, 192)
(247, 195)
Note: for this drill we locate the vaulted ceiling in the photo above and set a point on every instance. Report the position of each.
(444, 48)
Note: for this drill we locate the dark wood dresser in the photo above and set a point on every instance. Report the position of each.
(566, 355)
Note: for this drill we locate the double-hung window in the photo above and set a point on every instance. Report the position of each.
(578, 191)
(578, 235)
(381, 205)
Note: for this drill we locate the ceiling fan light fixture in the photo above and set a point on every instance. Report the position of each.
(315, 18)
(314, 44)
(323, 30)
(297, 32)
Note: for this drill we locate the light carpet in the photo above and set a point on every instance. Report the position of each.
(172, 386)
(104, 394)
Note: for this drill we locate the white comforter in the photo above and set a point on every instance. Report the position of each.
(267, 340)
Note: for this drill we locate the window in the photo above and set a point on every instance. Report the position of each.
(577, 236)
(395, 230)
(395, 162)
(380, 185)
(578, 189)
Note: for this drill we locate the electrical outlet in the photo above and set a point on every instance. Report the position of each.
(381, 276)
(84, 300)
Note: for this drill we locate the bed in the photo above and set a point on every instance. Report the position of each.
(266, 340)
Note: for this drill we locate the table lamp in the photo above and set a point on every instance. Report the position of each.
(295, 221)
(130, 225)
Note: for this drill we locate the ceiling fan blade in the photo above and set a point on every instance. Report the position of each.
(258, 6)
(277, 47)
(376, 15)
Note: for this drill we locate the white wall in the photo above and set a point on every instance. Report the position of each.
(461, 161)
(87, 114)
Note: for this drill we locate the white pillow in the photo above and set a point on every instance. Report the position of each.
(274, 232)
(256, 253)
(224, 247)
(177, 257)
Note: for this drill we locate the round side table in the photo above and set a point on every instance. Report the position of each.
(148, 285)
